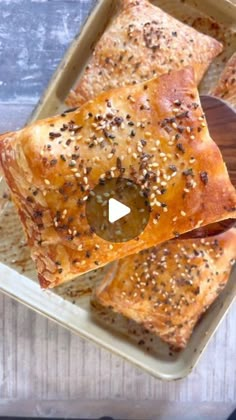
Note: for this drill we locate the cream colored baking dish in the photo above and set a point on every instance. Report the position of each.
(69, 305)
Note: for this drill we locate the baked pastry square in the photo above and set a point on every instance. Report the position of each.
(166, 289)
(153, 134)
(142, 42)
(226, 85)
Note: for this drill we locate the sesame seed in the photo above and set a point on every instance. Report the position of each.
(47, 182)
(177, 102)
(188, 129)
(72, 163)
(147, 134)
(174, 125)
(135, 155)
(183, 213)
(110, 156)
(192, 137)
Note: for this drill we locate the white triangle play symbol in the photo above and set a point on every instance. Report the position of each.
(116, 210)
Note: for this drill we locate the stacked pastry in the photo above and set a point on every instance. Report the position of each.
(139, 116)
(168, 288)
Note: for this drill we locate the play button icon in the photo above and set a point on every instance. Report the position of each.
(117, 210)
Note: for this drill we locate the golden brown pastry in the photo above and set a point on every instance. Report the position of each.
(168, 288)
(142, 42)
(226, 86)
(153, 134)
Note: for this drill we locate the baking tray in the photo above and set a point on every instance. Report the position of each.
(69, 305)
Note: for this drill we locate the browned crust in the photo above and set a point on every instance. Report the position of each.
(142, 42)
(185, 164)
(168, 288)
(226, 85)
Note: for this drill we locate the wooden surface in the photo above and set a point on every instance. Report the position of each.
(220, 115)
(57, 372)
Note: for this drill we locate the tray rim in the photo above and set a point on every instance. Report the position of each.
(56, 300)
(12, 292)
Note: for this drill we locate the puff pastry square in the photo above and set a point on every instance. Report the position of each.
(166, 289)
(153, 134)
(142, 42)
(226, 86)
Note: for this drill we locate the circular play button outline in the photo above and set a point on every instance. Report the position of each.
(117, 210)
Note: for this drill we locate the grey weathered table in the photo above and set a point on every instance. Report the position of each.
(44, 369)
